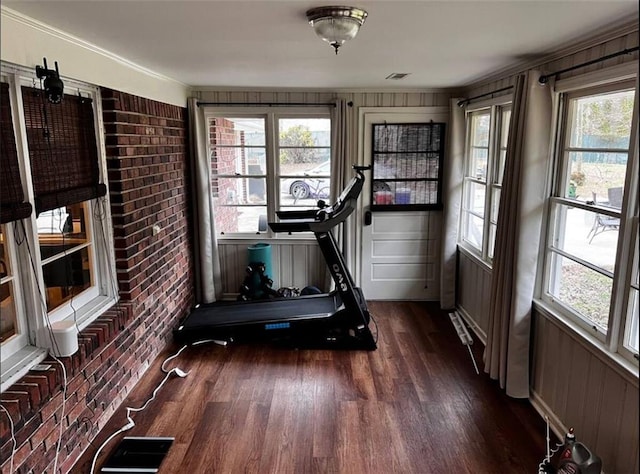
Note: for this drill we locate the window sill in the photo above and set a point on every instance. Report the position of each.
(622, 366)
(305, 239)
(474, 255)
(19, 364)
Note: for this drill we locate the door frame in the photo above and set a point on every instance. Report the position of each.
(363, 202)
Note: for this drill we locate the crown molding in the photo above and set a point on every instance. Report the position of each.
(327, 90)
(74, 40)
(606, 33)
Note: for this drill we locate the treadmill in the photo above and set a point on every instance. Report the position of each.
(337, 320)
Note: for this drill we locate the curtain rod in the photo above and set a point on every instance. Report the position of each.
(543, 79)
(267, 104)
(463, 102)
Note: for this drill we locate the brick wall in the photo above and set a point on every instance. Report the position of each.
(222, 132)
(148, 180)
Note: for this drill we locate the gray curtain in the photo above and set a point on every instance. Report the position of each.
(340, 175)
(518, 236)
(453, 174)
(208, 282)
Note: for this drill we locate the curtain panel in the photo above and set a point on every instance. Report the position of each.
(12, 203)
(515, 261)
(208, 280)
(63, 150)
(341, 173)
(453, 175)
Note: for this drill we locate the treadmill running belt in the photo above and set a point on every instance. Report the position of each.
(315, 306)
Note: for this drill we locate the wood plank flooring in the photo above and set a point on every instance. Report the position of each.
(415, 405)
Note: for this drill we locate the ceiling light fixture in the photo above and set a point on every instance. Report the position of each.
(336, 24)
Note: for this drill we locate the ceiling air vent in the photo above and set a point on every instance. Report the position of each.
(396, 76)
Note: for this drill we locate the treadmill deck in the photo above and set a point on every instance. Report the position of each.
(236, 313)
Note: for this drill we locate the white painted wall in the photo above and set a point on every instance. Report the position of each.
(25, 41)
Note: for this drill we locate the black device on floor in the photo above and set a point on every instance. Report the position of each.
(337, 320)
(138, 455)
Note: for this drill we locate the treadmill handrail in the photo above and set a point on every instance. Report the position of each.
(322, 220)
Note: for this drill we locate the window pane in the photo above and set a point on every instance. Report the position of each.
(305, 191)
(574, 234)
(476, 197)
(480, 129)
(8, 323)
(602, 121)
(495, 204)
(584, 290)
(241, 191)
(492, 239)
(237, 132)
(305, 132)
(474, 227)
(5, 264)
(504, 129)
(300, 161)
(479, 144)
(66, 277)
(235, 219)
(502, 152)
(592, 175)
(245, 161)
(62, 229)
(633, 331)
(478, 163)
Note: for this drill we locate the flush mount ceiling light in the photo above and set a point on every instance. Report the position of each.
(336, 25)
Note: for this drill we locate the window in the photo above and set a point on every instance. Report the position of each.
(407, 166)
(590, 275)
(263, 161)
(56, 258)
(487, 134)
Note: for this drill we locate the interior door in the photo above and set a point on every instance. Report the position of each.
(400, 251)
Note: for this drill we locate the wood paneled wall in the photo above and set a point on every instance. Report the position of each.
(300, 263)
(294, 263)
(581, 388)
(572, 383)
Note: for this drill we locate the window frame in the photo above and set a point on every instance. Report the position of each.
(102, 294)
(20, 339)
(272, 175)
(496, 109)
(617, 78)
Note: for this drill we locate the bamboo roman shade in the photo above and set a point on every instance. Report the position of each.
(12, 203)
(62, 149)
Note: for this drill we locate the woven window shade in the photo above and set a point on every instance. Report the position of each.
(12, 203)
(62, 149)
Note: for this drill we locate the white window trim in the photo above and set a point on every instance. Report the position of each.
(272, 177)
(611, 345)
(33, 348)
(493, 105)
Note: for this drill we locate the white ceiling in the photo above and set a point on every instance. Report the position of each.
(268, 43)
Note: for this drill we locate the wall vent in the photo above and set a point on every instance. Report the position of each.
(396, 76)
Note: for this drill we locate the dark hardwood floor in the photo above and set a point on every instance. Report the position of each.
(415, 405)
